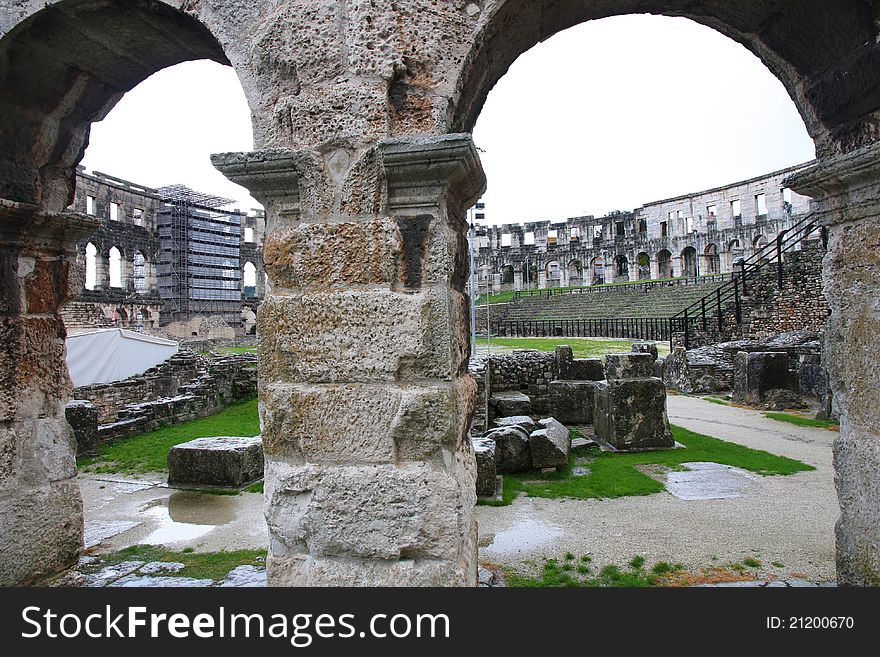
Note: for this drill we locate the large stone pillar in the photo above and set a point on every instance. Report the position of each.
(847, 190)
(365, 398)
(518, 280)
(41, 520)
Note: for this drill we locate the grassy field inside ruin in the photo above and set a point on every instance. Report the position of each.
(581, 347)
(148, 452)
(613, 475)
(198, 565)
(801, 421)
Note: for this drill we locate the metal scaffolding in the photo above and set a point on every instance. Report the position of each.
(199, 262)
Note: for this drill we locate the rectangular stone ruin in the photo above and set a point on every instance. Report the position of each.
(629, 366)
(550, 444)
(757, 373)
(489, 483)
(630, 414)
(218, 462)
(507, 404)
(571, 402)
(646, 348)
(82, 416)
(569, 368)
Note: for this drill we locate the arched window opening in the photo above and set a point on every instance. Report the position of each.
(115, 261)
(250, 280)
(91, 266)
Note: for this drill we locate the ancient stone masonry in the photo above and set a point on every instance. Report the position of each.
(766, 309)
(694, 235)
(370, 316)
(39, 494)
(132, 266)
(387, 411)
(185, 387)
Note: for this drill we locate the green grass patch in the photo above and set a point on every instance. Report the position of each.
(554, 574)
(148, 452)
(255, 488)
(581, 347)
(800, 421)
(614, 475)
(198, 565)
(751, 562)
(714, 400)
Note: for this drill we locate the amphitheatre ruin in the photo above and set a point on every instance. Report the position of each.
(439, 403)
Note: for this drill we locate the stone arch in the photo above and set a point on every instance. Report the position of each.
(51, 96)
(553, 273)
(120, 316)
(507, 275)
(711, 260)
(644, 262)
(597, 270)
(689, 261)
(664, 264)
(91, 253)
(575, 273)
(114, 267)
(249, 279)
(779, 37)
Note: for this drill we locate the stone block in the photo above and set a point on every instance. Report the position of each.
(364, 336)
(757, 373)
(645, 348)
(223, 462)
(381, 512)
(484, 449)
(628, 366)
(550, 444)
(82, 416)
(508, 404)
(522, 421)
(630, 414)
(585, 369)
(572, 402)
(512, 450)
(391, 423)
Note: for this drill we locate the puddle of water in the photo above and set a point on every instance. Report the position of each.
(524, 535)
(100, 530)
(185, 516)
(710, 481)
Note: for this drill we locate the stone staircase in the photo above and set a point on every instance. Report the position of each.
(627, 302)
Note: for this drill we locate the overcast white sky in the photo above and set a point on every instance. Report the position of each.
(608, 115)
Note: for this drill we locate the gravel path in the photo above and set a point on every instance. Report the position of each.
(789, 520)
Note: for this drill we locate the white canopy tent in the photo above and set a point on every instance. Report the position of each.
(107, 355)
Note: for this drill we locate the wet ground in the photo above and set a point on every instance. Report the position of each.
(121, 511)
(712, 515)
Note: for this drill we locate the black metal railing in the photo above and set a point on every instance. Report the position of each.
(716, 308)
(636, 328)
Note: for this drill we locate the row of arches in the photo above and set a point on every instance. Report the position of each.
(711, 259)
(112, 269)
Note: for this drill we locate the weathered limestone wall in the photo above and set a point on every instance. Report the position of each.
(40, 505)
(386, 413)
(847, 189)
(364, 392)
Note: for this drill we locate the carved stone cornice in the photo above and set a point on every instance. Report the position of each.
(274, 177)
(425, 172)
(23, 222)
(845, 187)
